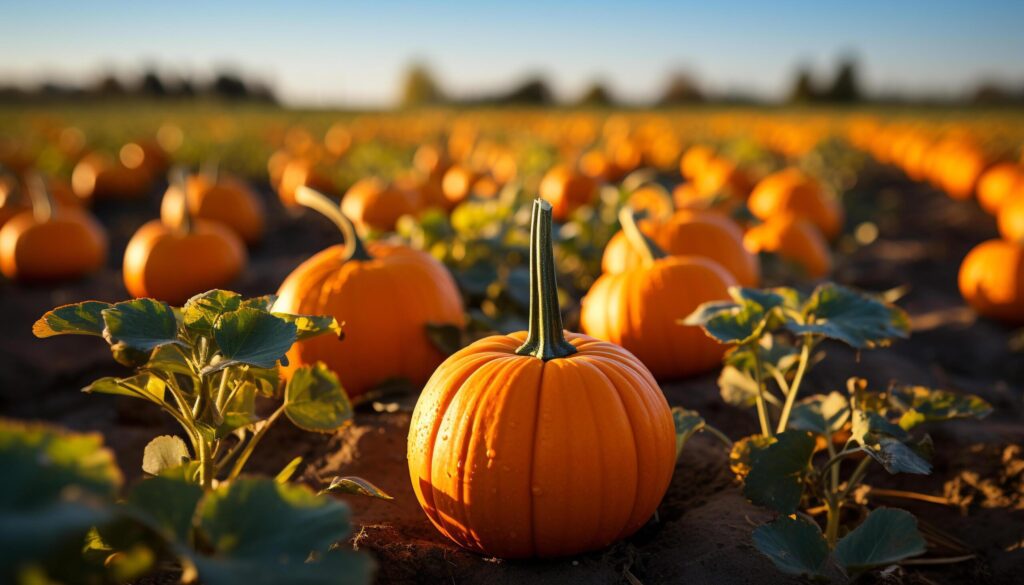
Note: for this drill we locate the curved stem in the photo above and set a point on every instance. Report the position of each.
(794, 388)
(236, 469)
(545, 339)
(762, 410)
(42, 200)
(354, 247)
(179, 194)
(639, 240)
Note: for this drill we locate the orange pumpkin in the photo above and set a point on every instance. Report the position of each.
(301, 172)
(98, 176)
(49, 242)
(692, 164)
(723, 177)
(790, 191)
(221, 198)
(385, 294)
(457, 184)
(1011, 217)
(998, 184)
(374, 204)
(992, 280)
(639, 308)
(566, 190)
(540, 443)
(173, 262)
(794, 239)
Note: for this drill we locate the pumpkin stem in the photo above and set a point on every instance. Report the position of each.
(638, 239)
(178, 179)
(545, 338)
(354, 247)
(42, 200)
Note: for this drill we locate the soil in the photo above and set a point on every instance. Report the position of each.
(702, 530)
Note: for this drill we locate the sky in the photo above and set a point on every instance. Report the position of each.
(355, 53)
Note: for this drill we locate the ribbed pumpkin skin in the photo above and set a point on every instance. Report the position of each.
(515, 457)
(639, 309)
(791, 192)
(384, 303)
(991, 280)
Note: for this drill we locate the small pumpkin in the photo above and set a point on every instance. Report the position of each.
(639, 308)
(540, 443)
(217, 196)
(98, 176)
(991, 280)
(999, 184)
(172, 262)
(723, 177)
(566, 190)
(385, 294)
(790, 191)
(302, 172)
(49, 242)
(793, 239)
(458, 184)
(1010, 218)
(375, 204)
(693, 161)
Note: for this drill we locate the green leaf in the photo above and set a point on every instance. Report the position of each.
(887, 443)
(707, 311)
(821, 414)
(887, 536)
(737, 387)
(315, 401)
(253, 337)
(163, 453)
(201, 312)
(740, 325)
(767, 299)
(140, 325)
(856, 319)
(356, 486)
(920, 404)
(777, 472)
(688, 423)
(795, 545)
(168, 358)
(167, 504)
(240, 410)
(144, 386)
(84, 318)
(288, 471)
(312, 325)
(263, 303)
(262, 532)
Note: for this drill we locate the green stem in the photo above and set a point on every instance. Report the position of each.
(794, 388)
(835, 468)
(251, 445)
(637, 238)
(354, 247)
(719, 435)
(762, 410)
(222, 389)
(545, 339)
(832, 524)
(205, 465)
(855, 478)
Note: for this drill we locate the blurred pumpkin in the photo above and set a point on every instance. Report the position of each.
(375, 204)
(998, 184)
(301, 172)
(98, 176)
(172, 262)
(385, 294)
(991, 280)
(222, 198)
(50, 242)
(566, 190)
(457, 184)
(639, 308)
(540, 443)
(692, 164)
(1011, 217)
(723, 177)
(793, 239)
(792, 192)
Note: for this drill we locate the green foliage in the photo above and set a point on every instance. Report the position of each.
(885, 537)
(795, 545)
(777, 472)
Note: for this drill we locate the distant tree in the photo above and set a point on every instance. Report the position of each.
(109, 85)
(803, 88)
(229, 86)
(993, 93)
(680, 89)
(846, 86)
(152, 85)
(534, 91)
(597, 95)
(419, 87)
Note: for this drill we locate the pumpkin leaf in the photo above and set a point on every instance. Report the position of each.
(896, 456)
(920, 404)
(739, 388)
(140, 325)
(144, 386)
(767, 298)
(821, 414)
(707, 311)
(356, 486)
(288, 471)
(167, 504)
(170, 359)
(740, 454)
(307, 326)
(84, 318)
(856, 319)
(240, 410)
(777, 472)
(201, 312)
(315, 401)
(263, 303)
(740, 324)
(795, 545)
(688, 423)
(163, 453)
(887, 536)
(252, 337)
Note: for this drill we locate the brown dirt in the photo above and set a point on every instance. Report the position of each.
(702, 533)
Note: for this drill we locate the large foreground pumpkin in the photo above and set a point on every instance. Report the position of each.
(540, 443)
(384, 294)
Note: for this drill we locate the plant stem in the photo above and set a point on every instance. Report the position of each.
(244, 456)
(794, 388)
(835, 468)
(42, 200)
(205, 465)
(719, 435)
(545, 339)
(222, 389)
(911, 496)
(179, 181)
(832, 523)
(855, 478)
(637, 238)
(762, 410)
(354, 247)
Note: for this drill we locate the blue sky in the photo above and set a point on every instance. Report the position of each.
(320, 53)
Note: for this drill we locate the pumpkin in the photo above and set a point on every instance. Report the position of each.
(385, 294)
(1011, 217)
(225, 199)
(639, 308)
(689, 233)
(991, 280)
(790, 191)
(795, 240)
(48, 242)
(566, 190)
(723, 177)
(98, 176)
(694, 160)
(998, 184)
(172, 262)
(302, 172)
(457, 184)
(540, 443)
(375, 204)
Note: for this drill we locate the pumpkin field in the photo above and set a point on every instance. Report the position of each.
(714, 344)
